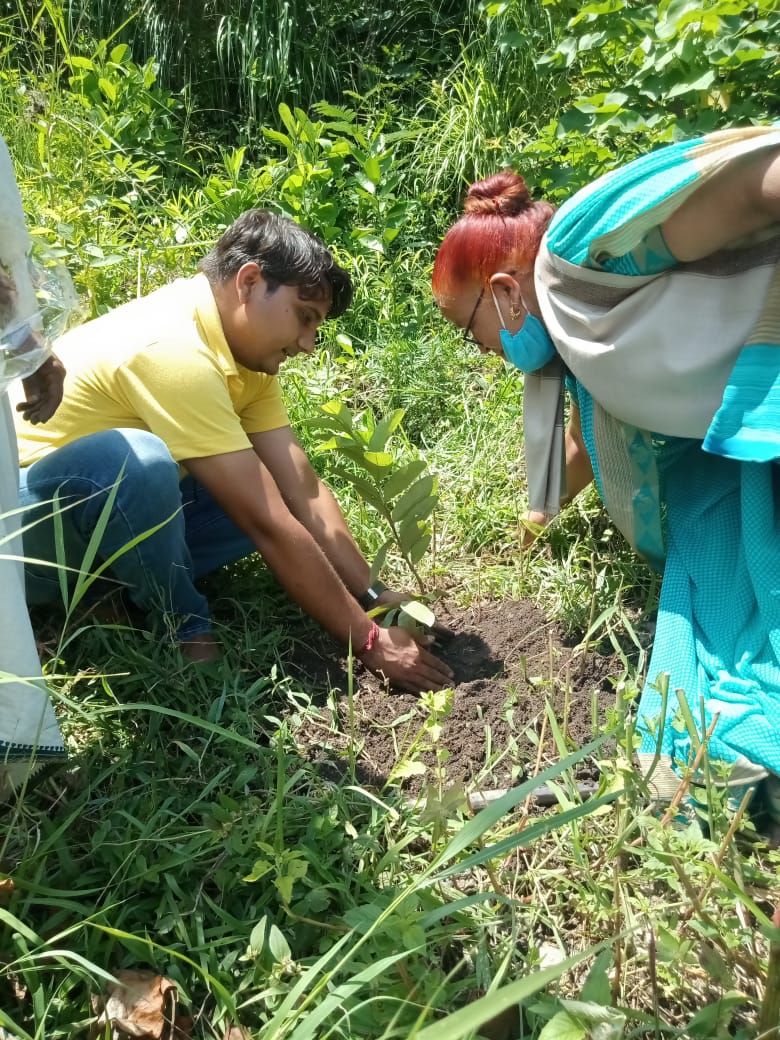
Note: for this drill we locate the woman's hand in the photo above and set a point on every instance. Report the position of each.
(43, 390)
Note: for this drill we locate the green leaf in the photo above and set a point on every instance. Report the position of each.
(259, 870)
(562, 1027)
(383, 430)
(421, 613)
(421, 510)
(278, 945)
(339, 411)
(278, 137)
(367, 491)
(408, 533)
(420, 548)
(287, 118)
(383, 459)
(379, 561)
(421, 489)
(714, 1019)
(402, 478)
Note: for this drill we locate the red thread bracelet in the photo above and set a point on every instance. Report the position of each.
(371, 638)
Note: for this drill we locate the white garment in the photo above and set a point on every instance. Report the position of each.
(29, 735)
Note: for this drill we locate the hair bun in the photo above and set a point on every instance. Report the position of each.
(504, 194)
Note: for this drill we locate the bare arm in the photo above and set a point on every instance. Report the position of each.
(734, 203)
(245, 488)
(312, 504)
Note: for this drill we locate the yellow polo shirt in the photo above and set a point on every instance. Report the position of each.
(160, 363)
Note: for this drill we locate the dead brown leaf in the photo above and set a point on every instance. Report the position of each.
(236, 1033)
(142, 1005)
(6, 887)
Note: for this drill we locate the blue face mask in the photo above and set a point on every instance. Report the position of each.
(530, 347)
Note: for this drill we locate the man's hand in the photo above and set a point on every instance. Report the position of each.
(43, 391)
(396, 656)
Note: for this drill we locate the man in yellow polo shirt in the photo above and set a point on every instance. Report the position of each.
(183, 382)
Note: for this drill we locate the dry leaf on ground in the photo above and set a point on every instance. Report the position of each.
(142, 1005)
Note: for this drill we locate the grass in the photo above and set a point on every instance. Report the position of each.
(366, 916)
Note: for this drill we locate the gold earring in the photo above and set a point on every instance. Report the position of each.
(514, 314)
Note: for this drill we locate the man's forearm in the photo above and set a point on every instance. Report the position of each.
(323, 519)
(309, 578)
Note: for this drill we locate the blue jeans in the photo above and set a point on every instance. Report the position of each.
(160, 571)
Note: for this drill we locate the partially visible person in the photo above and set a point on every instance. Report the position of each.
(655, 293)
(29, 735)
(174, 399)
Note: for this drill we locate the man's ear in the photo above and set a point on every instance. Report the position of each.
(247, 278)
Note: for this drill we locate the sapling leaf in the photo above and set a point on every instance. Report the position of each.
(421, 488)
(379, 561)
(379, 458)
(420, 548)
(340, 412)
(366, 490)
(421, 613)
(409, 532)
(402, 478)
(420, 510)
(384, 428)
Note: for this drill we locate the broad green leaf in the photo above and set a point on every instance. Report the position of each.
(421, 510)
(408, 533)
(402, 478)
(379, 560)
(259, 870)
(383, 429)
(367, 491)
(406, 769)
(714, 1019)
(119, 53)
(287, 118)
(563, 1027)
(419, 611)
(108, 88)
(383, 459)
(277, 136)
(421, 489)
(420, 548)
(340, 413)
(278, 945)
(372, 170)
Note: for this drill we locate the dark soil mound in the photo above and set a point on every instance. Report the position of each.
(509, 662)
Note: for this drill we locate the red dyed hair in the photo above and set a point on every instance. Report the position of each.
(500, 230)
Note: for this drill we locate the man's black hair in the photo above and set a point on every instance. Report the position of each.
(286, 253)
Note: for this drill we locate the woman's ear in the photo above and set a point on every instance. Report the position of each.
(506, 286)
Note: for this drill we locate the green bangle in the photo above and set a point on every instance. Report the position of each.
(370, 597)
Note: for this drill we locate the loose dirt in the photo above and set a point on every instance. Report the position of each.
(512, 668)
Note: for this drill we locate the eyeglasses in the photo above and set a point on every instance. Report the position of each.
(467, 337)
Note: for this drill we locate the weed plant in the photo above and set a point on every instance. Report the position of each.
(191, 835)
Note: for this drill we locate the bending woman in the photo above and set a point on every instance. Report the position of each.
(655, 294)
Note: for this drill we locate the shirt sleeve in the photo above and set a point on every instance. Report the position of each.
(264, 410)
(181, 395)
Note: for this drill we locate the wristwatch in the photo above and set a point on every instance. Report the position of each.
(370, 597)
